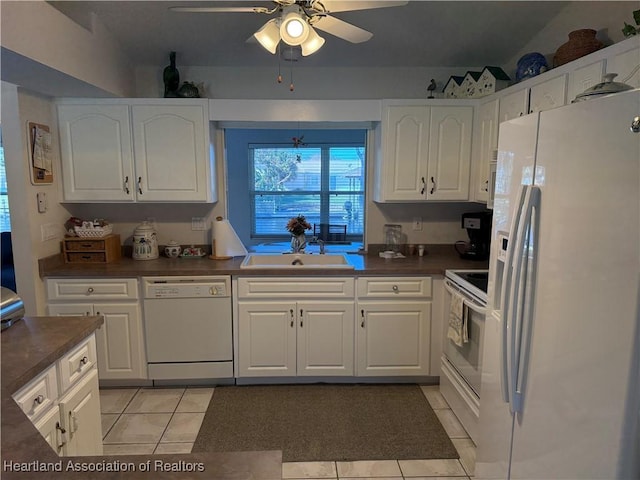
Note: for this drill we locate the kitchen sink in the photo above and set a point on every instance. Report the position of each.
(296, 260)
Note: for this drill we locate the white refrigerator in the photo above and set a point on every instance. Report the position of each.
(561, 367)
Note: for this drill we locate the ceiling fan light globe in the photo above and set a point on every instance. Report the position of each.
(294, 29)
(312, 44)
(269, 35)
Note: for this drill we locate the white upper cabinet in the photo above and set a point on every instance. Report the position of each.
(583, 78)
(424, 152)
(549, 94)
(514, 105)
(485, 146)
(97, 160)
(136, 150)
(449, 162)
(171, 152)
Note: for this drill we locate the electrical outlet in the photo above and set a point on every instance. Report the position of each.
(417, 224)
(197, 223)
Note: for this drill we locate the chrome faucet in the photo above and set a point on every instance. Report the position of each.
(321, 243)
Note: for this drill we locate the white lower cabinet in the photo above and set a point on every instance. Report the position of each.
(393, 333)
(120, 341)
(285, 338)
(80, 417)
(296, 338)
(63, 402)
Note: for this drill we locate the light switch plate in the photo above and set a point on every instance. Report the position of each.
(417, 224)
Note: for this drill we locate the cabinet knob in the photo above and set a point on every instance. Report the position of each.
(39, 399)
(90, 290)
(84, 360)
(395, 288)
(635, 125)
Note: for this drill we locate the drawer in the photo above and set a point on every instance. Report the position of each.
(39, 394)
(394, 287)
(77, 362)
(295, 287)
(92, 289)
(86, 257)
(84, 245)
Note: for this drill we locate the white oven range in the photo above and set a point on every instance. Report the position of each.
(461, 365)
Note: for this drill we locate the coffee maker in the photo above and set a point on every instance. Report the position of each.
(478, 226)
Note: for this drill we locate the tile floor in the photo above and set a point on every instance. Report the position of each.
(167, 420)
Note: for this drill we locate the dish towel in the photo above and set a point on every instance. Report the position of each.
(457, 330)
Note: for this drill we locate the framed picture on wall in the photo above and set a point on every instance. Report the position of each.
(40, 161)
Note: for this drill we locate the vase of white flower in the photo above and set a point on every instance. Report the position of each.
(297, 226)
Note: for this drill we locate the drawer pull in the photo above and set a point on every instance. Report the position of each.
(291, 313)
(362, 315)
(395, 288)
(84, 360)
(301, 316)
(90, 290)
(39, 399)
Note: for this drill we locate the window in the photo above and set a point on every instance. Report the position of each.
(5, 219)
(263, 195)
(324, 182)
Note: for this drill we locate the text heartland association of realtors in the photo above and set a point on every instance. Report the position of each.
(102, 466)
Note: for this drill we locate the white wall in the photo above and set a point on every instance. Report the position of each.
(310, 83)
(56, 45)
(18, 108)
(610, 17)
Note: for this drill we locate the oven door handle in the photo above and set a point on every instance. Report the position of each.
(473, 305)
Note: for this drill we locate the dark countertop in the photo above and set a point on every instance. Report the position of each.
(28, 348)
(437, 259)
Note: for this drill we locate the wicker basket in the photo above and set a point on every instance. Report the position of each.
(96, 232)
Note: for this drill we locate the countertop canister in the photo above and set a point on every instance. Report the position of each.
(145, 242)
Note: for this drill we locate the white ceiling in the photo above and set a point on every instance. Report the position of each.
(422, 33)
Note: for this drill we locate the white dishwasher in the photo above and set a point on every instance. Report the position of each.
(188, 327)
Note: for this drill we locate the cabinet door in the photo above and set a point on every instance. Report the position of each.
(120, 342)
(393, 338)
(171, 144)
(80, 417)
(266, 339)
(325, 338)
(514, 105)
(449, 153)
(406, 137)
(548, 95)
(583, 78)
(624, 64)
(49, 428)
(485, 148)
(96, 153)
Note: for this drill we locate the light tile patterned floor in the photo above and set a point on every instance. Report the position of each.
(152, 420)
(167, 420)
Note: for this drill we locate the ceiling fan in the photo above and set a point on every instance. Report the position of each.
(296, 19)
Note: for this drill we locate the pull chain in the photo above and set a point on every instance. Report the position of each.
(291, 86)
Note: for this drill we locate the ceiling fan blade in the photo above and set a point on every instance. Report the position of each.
(220, 9)
(342, 29)
(333, 6)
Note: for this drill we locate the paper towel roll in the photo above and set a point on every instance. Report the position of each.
(225, 240)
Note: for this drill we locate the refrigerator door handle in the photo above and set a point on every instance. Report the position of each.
(521, 305)
(505, 300)
(526, 299)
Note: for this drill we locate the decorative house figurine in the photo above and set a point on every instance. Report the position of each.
(469, 87)
(491, 80)
(452, 88)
